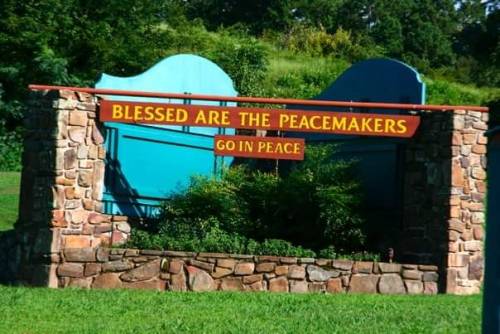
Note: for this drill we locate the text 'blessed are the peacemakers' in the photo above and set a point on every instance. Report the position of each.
(259, 118)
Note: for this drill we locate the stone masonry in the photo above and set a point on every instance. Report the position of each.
(445, 188)
(187, 271)
(61, 186)
(63, 239)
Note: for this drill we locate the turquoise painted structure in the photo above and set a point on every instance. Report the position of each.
(147, 162)
(491, 295)
(379, 160)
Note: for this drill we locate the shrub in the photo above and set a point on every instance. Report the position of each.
(10, 150)
(310, 206)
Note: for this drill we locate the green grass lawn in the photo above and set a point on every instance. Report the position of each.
(37, 310)
(9, 199)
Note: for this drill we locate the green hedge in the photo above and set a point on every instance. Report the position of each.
(310, 209)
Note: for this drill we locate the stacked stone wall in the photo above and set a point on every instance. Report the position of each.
(187, 271)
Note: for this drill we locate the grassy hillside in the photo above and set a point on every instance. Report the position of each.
(298, 75)
(9, 199)
(28, 310)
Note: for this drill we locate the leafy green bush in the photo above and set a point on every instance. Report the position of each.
(10, 150)
(312, 205)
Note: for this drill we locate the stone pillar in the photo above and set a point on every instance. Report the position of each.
(444, 192)
(62, 183)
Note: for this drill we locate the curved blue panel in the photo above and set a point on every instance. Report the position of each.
(146, 162)
(379, 160)
(373, 80)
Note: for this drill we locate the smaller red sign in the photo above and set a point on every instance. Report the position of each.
(259, 147)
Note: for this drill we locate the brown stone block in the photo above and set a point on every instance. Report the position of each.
(475, 206)
(97, 218)
(178, 281)
(456, 225)
(480, 126)
(78, 118)
(92, 269)
(414, 287)
(202, 265)
(457, 175)
(88, 204)
(175, 266)
(482, 140)
(231, 284)
(430, 276)
(478, 232)
(334, 285)
(296, 272)
(479, 149)
(323, 262)
(423, 267)
(279, 284)
(76, 241)
(362, 267)
(342, 264)
(77, 135)
(142, 273)
(454, 200)
(85, 178)
(391, 284)
(363, 283)
(220, 272)
(70, 270)
(107, 281)
(265, 267)
(199, 280)
(226, 263)
(116, 266)
(456, 138)
(389, 267)
(469, 138)
(458, 260)
(473, 245)
(281, 270)
(244, 268)
(80, 283)
(454, 212)
(412, 274)
(316, 287)
(257, 286)
(478, 173)
(298, 286)
(58, 219)
(453, 235)
(80, 254)
(476, 268)
(267, 258)
(430, 288)
(452, 247)
(252, 278)
(288, 260)
(101, 153)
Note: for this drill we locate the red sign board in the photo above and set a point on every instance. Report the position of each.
(259, 118)
(259, 147)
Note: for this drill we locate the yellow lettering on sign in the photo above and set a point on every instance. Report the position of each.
(159, 114)
(117, 111)
(402, 128)
(200, 117)
(389, 125)
(353, 125)
(149, 113)
(339, 124)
